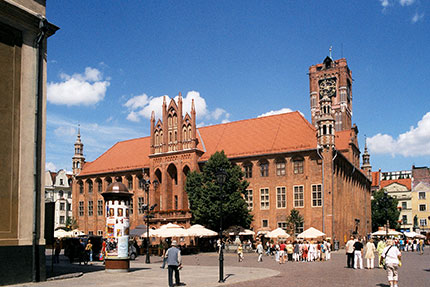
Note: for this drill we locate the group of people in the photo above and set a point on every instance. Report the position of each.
(388, 252)
(416, 245)
(306, 251)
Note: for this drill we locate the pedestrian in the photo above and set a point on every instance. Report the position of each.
(358, 254)
(380, 248)
(296, 254)
(174, 264)
(391, 254)
(89, 250)
(260, 252)
(350, 252)
(290, 251)
(328, 249)
(57, 250)
(421, 246)
(282, 253)
(370, 254)
(240, 252)
(164, 246)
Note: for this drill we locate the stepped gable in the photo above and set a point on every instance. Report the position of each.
(272, 134)
(125, 155)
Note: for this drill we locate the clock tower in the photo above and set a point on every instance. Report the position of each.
(333, 79)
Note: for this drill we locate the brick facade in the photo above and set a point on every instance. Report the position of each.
(315, 168)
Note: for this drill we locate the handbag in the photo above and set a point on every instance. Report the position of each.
(383, 258)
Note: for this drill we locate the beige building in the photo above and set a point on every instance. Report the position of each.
(58, 189)
(23, 36)
(403, 194)
(421, 205)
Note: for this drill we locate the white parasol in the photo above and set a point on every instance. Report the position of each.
(278, 233)
(200, 231)
(311, 233)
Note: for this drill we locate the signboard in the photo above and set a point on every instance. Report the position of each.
(117, 228)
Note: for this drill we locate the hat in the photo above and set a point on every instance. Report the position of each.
(174, 243)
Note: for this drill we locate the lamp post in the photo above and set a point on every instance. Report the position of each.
(387, 202)
(221, 176)
(146, 184)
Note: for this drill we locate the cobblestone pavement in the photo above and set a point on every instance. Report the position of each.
(202, 270)
(415, 271)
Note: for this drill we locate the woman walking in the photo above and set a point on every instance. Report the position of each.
(392, 256)
(370, 254)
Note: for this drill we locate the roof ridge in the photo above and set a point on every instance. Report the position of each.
(259, 118)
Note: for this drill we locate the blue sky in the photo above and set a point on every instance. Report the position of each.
(111, 63)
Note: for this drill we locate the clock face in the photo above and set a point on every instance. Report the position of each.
(327, 87)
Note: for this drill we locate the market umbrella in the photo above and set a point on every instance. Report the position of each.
(200, 231)
(278, 233)
(381, 232)
(311, 233)
(413, 234)
(247, 232)
(60, 233)
(170, 230)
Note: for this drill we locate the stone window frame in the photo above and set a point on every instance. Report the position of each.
(81, 208)
(90, 208)
(62, 219)
(281, 167)
(298, 165)
(281, 191)
(264, 223)
(422, 207)
(62, 206)
(100, 207)
(296, 199)
(316, 195)
(421, 195)
(423, 221)
(140, 203)
(249, 198)
(264, 168)
(247, 168)
(264, 198)
(282, 224)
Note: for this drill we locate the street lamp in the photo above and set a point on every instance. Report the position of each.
(387, 203)
(146, 184)
(221, 176)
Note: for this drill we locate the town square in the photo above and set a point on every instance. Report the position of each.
(211, 143)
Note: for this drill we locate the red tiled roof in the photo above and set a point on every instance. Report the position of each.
(125, 155)
(272, 134)
(403, 181)
(375, 178)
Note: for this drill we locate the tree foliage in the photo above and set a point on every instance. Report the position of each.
(293, 221)
(71, 224)
(207, 197)
(384, 207)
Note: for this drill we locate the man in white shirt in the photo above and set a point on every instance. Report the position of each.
(350, 252)
(392, 256)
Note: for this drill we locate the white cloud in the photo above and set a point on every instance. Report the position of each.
(406, 2)
(65, 131)
(142, 106)
(277, 112)
(50, 166)
(417, 17)
(385, 3)
(415, 142)
(79, 89)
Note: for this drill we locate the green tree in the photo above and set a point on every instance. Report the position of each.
(71, 224)
(384, 207)
(294, 220)
(205, 195)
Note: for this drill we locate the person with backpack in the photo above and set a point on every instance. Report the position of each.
(391, 256)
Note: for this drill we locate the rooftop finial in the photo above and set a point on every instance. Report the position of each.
(329, 50)
(79, 130)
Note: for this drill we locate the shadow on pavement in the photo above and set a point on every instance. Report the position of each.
(65, 267)
(382, 285)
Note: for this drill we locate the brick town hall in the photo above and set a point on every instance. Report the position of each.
(288, 161)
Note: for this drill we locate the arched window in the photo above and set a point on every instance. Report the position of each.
(298, 165)
(90, 185)
(264, 168)
(173, 173)
(247, 166)
(61, 194)
(130, 182)
(81, 186)
(280, 167)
